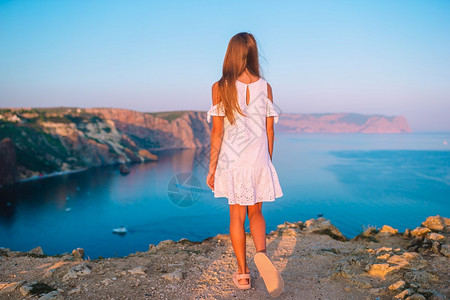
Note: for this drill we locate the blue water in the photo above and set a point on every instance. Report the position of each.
(355, 180)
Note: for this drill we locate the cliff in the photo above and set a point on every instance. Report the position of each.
(48, 140)
(159, 131)
(343, 123)
(315, 260)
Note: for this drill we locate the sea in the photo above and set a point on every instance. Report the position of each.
(355, 180)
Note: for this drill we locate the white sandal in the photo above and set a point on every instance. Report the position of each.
(272, 278)
(237, 277)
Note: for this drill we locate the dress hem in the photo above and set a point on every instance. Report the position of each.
(267, 200)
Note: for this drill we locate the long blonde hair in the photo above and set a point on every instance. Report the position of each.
(242, 53)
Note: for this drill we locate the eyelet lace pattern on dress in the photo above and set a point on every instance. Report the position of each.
(245, 174)
(216, 110)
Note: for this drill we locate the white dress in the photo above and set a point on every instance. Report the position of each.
(245, 174)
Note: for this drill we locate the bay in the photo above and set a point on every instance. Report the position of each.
(355, 180)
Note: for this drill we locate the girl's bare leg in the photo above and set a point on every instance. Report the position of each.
(257, 226)
(237, 235)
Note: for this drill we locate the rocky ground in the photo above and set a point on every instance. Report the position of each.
(315, 259)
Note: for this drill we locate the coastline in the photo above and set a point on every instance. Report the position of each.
(59, 173)
(314, 258)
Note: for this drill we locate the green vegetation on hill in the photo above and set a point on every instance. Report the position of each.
(36, 150)
(356, 119)
(168, 115)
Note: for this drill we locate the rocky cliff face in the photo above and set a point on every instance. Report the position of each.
(342, 123)
(171, 130)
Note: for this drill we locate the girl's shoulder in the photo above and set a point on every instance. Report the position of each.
(215, 93)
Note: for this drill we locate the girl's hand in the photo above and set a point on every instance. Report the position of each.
(210, 180)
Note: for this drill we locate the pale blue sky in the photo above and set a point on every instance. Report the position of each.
(371, 57)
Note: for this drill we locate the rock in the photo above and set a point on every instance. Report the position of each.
(140, 270)
(333, 251)
(78, 253)
(175, 275)
(281, 226)
(152, 248)
(369, 232)
(416, 241)
(74, 291)
(10, 287)
(411, 255)
(381, 270)
(176, 264)
(4, 250)
(384, 256)
(293, 225)
(324, 226)
(426, 292)
(420, 231)
(53, 295)
(289, 232)
(49, 273)
(107, 281)
(420, 277)
(184, 241)
(165, 242)
(403, 260)
(416, 297)
(38, 250)
(436, 247)
(383, 249)
(435, 236)
(407, 232)
(438, 296)
(147, 156)
(78, 270)
(446, 221)
(404, 294)
(435, 223)
(396, 286)
(26, 288)
(359, 251)
(386, 229)
(35, 288)
(445, 250)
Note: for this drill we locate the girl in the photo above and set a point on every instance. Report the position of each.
(241, 166)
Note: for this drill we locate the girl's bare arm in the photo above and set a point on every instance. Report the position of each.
(269, 123)
(216, 132)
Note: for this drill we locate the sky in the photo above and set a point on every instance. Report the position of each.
(370, 57)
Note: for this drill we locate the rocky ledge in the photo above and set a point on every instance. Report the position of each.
(315, 259)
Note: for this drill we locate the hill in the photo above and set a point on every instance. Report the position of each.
(343, 123)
